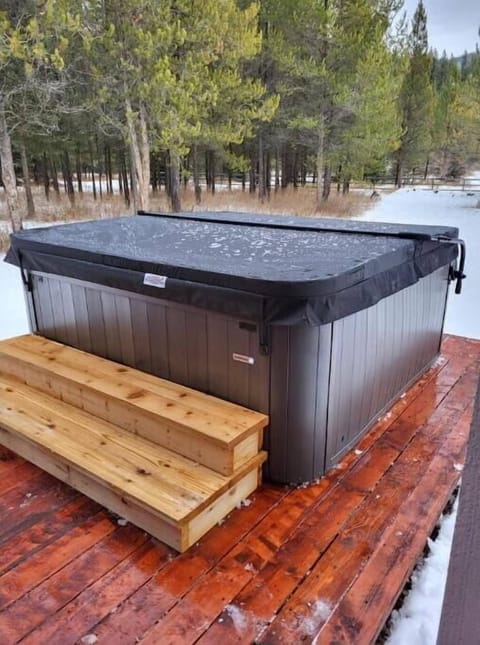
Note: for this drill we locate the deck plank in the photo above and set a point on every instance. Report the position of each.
(294, 566)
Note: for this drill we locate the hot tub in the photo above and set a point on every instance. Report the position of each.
(321, 324)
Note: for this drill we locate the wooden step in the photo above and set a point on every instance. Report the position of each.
(169, 496)
(218, 434)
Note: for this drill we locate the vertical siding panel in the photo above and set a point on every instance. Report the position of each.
(196, 344)
(238, 373)
(81, 317)
(96, 322)
(335, 402)
(373, 377)
(69, 313)
(304, 348)
(321, 403)
(124, 319)
(217, 339)
(57, 309)
(391, 348)
(177, 346)
(113, 338)
(141, 335)
(385, 353)
(259, 380)
(367, 343)
(38, 304)
(276, 440)
(157, 332)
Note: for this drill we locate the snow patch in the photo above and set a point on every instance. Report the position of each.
(245, 503)
(320, 611)
(89, 639)
(238, 617)
(417, 621)
(14, 320)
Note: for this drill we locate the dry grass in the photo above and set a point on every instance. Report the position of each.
(4, 238)
(299, 201)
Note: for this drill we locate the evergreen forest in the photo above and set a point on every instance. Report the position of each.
(138, 96)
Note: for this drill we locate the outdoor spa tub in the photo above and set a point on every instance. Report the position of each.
(319, 323)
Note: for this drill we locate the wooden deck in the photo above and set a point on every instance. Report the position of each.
(321, 563)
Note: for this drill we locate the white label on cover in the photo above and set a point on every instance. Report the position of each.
(241, 358)
(153, 280)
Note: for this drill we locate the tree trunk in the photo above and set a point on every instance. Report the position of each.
(140, 155)
(100, 168)
(46, 178)
(109, 172)
(175, 181)
(92, 169)
(36, 171)
(295, 170)
(229, 171)
(69, 178)
(56, 187)
(196, 176)
(211, 171)
(427, 167)
(253, 174)
(268, 174)
(26, 181)
(284, 174)
(262, 191)
(124, 172)
(399, 173)
(78, 165)
(327, 182)
(8, 174)
(320, 161)
(277, 171)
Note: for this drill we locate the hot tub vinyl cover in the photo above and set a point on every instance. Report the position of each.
(271, 269)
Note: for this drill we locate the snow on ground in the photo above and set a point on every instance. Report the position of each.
(454, 208)
(13, 314)
(417, 621)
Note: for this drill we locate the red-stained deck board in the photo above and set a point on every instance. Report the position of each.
(323, 563)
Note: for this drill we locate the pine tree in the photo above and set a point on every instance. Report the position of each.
(32, 82)
(164, 71)
(416, 99)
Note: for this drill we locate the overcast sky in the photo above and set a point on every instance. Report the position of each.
(452, 24)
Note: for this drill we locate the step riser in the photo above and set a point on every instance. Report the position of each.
(144, 423)
(179, 537)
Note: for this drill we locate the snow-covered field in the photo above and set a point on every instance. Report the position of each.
(458, 209)
(417, 621)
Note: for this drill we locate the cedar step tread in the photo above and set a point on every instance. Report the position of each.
(219, 434)
(173, 498)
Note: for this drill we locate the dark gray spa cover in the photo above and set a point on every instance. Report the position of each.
(270, 269)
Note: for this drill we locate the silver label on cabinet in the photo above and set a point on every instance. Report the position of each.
(153, 280)
(241, 358)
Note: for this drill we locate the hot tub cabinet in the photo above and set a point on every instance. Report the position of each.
(318, 323)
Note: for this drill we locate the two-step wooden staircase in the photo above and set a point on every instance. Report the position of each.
(169, 459)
